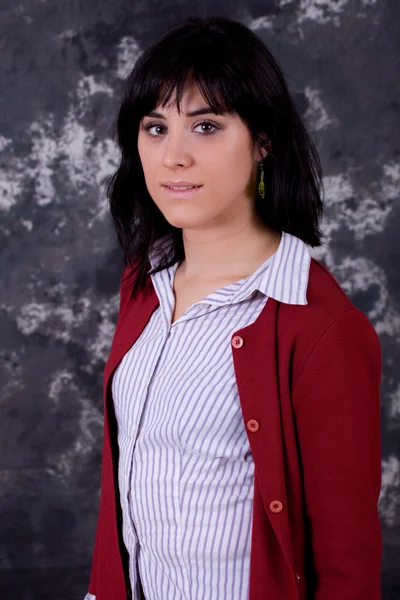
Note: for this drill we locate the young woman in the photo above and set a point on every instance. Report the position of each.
(241, 455)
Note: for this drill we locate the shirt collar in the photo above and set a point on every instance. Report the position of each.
(285, 279)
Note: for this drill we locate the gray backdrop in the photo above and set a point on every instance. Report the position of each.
(62, 69)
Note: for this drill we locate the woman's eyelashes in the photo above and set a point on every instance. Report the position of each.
(152, 125)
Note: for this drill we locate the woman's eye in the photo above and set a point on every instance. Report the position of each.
(151, 126)
(208, 124)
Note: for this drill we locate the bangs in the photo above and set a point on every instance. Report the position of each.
(210, 88)
(210, 61)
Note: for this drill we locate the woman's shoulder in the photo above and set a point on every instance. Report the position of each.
(328, 305)
(325, 291)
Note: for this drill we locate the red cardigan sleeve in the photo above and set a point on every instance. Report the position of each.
(337, 408)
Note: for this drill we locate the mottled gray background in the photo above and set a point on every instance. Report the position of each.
(62, 68)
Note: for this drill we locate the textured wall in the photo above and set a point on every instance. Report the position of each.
(62, 68)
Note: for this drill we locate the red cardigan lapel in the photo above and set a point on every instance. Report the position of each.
(256, 370)
(133, 318)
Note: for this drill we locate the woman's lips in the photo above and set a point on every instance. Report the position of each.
(182, 192)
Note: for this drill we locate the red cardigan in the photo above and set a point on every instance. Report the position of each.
(308, 378)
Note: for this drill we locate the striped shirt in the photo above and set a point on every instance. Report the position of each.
(186, 473)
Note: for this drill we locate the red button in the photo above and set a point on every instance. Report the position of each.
(237, 341)
(297, 576)
(253, 425)
(275, 506)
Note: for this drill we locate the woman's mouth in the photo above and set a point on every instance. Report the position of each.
(182, 190)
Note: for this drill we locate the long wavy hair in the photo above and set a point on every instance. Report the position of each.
(235, 73)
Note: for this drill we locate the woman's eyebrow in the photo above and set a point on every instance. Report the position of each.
(206, 110)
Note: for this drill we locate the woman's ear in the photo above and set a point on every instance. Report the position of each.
(264, 150)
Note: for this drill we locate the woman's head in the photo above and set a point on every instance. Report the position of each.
(212, 150)
(221, 65)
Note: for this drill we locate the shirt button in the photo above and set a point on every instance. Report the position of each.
(237, 341)
(253, 425)
(275, 506)
(297, 576)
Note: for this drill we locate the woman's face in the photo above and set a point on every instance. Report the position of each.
(213, 151)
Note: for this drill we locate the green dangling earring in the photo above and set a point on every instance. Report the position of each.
(261, 186)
